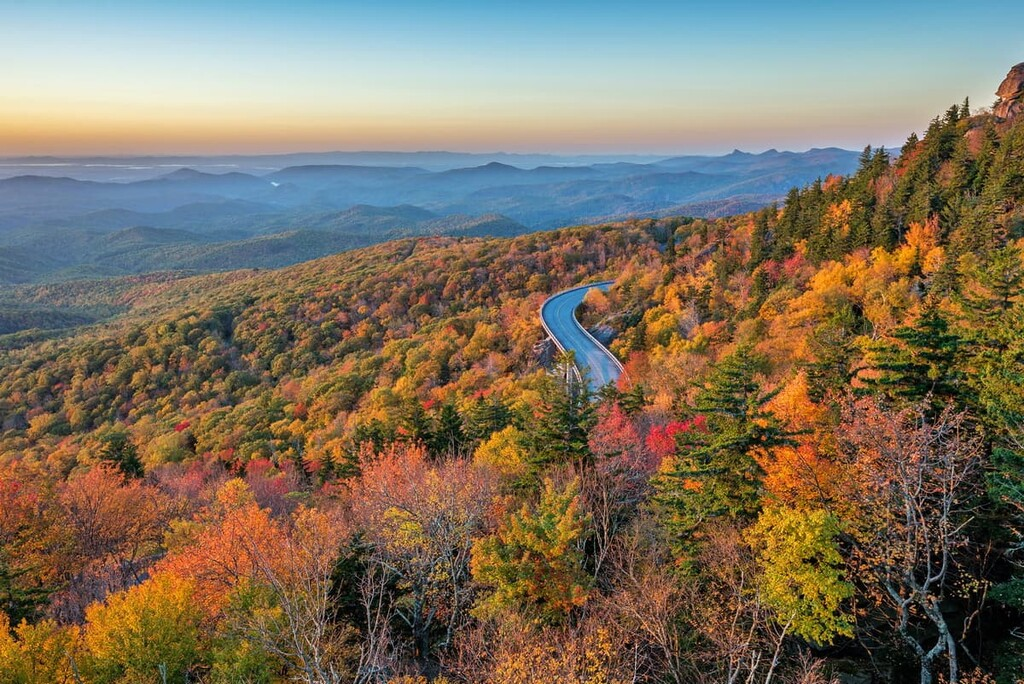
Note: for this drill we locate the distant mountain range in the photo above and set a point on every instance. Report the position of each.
(54, 227)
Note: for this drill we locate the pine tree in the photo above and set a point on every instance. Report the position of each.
(634, 399)
(118, 449)
(561, 432)
(995, 286)
(449, 439)
(485, 416)
(919, 363)
(415, 422)
(716, 473)
(670, 243)
(534, 562)
(761, 237)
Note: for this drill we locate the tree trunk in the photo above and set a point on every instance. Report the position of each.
(926, 671)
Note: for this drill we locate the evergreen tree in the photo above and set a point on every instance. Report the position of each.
(561, 432)
(670, 243)
(634, 399)
(994, 287)
(831, 344)
(118, 449)
(415, 423)
(534, 562)
(485, 416)
(449, 439)
(919, 363)
(716, 472)
(761, 237)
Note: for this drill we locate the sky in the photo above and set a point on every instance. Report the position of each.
(652, 77)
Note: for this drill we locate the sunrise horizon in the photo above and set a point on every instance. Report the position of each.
(193, 79)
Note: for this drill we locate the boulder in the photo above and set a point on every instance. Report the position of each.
(1011, 94)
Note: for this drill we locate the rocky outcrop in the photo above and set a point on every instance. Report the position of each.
(1011, 94)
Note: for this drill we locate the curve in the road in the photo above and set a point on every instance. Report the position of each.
(558, 316)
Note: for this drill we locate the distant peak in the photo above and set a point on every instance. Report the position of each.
(184, 174)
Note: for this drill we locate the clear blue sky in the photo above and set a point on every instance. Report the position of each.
(662, 77)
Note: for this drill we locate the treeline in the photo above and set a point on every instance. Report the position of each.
(369, 468)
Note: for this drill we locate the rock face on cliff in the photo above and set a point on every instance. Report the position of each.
(1011, 94)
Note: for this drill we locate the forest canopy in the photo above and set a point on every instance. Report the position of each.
(370, 467)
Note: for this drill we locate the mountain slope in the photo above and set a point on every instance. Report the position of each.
(365, 203)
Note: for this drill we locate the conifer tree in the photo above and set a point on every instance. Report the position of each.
(919, 363)
(534, 562)
(716, 472)
(634, 399)
(761, 238)
(449, 439)
(562, 431)
(118, 449)
(415, 422)
(485, 416)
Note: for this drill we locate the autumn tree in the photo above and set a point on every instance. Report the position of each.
(223, 545)
(732, 633)
(615, 488)
(40, 653)
(504, 452)
(421, 519)
(515, 651)
(285, 608)
(118, 526)
(801, 572)
(916, 480)
(149, 633)
(646, 600)
(267, 582)
(36, 547)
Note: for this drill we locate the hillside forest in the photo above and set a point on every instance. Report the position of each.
(371, 467)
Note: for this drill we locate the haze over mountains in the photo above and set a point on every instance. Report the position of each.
(55, 227)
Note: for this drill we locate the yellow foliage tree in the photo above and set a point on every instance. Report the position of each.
(802, 576)
(149, 633)
(503, 452)
(43, 653)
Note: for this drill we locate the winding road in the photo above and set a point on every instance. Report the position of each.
(558, 316)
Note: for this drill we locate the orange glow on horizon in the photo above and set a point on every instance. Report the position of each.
(97, 130)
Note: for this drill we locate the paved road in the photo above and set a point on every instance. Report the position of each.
(558, 316)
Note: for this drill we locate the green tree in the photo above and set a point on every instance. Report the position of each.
(117, 448)
(415, 422)
(561, 433)
(921, 361)
(716, 472)
(991, 291)
(634, 399)
(534, 562)
(449, 439)
(485, 416)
